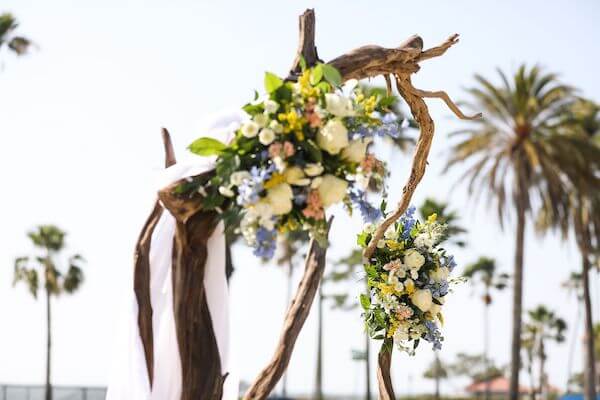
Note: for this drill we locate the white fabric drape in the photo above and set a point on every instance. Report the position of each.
(128, 378)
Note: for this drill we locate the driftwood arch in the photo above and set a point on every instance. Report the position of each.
(197, 344)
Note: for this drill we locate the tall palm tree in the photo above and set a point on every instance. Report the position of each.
(43, 264)
(437, 371)
(582, 216)
(542, 326)
(17, 44)
(520, 155)
(484, 273)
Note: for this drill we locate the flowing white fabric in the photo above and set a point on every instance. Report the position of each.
(128, 378)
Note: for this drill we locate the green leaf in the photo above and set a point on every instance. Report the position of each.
(316, 74)
(206, 146)
(302, 63)
(365, 301)
(324, 87)
(332, 75)
(272, 82)
(283, 93)
(313, 150)
(253, 109)
(363, 239)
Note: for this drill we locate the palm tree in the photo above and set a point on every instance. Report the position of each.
(573, 285)
(582, 215)
(484, 270)
(17, 44)
(49, 242)
(543, 325)
(520, 155)
(437, 371)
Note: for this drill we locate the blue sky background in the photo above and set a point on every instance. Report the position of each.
(80, 120)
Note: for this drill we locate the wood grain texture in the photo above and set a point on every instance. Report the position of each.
(384, 380)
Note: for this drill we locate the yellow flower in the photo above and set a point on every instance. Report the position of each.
(275, 180)
(370, 104)
(409, 286)
(432, 218)
(386, 289)
(393, 327)
(393, 245)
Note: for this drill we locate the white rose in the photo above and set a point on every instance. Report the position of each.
(356, 150)
(266, 136)
(250, 129)
(339, 106)
(440, 274)
(238, 177)
(225, 191)
(280, 198)
(413, 259)
(435, 309)
(265, 214)
(422, 299)
(313, 169)
(391, 233)
(332, 190)
(261, 119)
(295, 176)
(271, 106)
(333, 137)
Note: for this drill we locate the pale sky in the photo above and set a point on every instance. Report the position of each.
(80, 120)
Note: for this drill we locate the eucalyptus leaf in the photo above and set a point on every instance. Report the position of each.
(272, 82)
(332, 75)
(316, 74)
(206, 146)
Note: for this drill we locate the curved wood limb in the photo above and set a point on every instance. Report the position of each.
(384, 380)
(440, 94)
(439, 50)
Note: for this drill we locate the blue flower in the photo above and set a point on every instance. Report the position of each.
(408, 222)
(439, 289)
(448, 261)
(368, 212)
(250, 189)
(265, 243)
(433, 335)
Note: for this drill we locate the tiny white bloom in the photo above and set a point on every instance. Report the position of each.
(266, 136)
(339, 106)
(271, 106)
(276, 126)
(313, 169)
(238, 177)
(225, 191)
(250, 129)
(279, 164)
(316, 182)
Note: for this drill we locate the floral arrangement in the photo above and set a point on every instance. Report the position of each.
(304, 148)
(408, 280)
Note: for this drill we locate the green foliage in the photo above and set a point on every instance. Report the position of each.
(18, 44)
(206, 146)
(474, 366)
(331, 75)
(272, 82)
(49, 240)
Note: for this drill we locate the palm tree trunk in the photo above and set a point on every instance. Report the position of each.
(542, 387)
(486, 342)
(517, 302)
(319, 377)
(590, 362)
(368, 366)
(572, 345)
(48, 394)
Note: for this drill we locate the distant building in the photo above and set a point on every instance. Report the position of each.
(498, 387)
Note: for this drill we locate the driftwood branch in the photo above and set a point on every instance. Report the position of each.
(384, 363)
(141, 273)
(294, 321)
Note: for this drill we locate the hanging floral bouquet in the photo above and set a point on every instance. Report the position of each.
(303, 149)
(408, 280)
